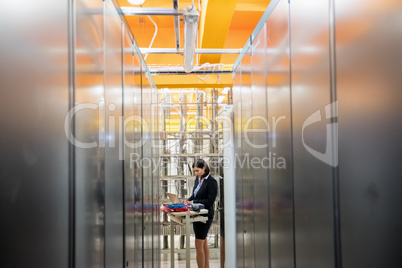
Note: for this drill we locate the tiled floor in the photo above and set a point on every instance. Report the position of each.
(213, 263)
(180, 258)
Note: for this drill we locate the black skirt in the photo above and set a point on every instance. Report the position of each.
(201, 229)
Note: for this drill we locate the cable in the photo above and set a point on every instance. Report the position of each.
(153, 38)
(206, 65)
(197, 56)
(203, 66)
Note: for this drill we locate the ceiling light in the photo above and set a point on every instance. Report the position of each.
(136, 2)
(190, 34)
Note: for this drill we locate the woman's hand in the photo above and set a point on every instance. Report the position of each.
(186, 202)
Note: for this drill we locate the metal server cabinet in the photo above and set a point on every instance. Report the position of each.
(89, 128)
(247, 155)
(238, 172)
(313, 180)
(138, 189)
(147, 166)
(259, 125)
(113, 152)
(156, 226)
(280, 146)
(130, 67)
(35, 175)
(368, 71)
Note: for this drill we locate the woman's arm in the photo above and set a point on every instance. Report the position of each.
(191, 198)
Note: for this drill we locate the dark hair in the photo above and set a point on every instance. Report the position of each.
(200, 163)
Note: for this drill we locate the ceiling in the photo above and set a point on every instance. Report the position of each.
(223, 24)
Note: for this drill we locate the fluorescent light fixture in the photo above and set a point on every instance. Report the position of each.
(221, 98)
(225, 90)
(190, 34)
(136, 2)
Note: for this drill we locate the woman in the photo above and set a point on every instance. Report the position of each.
(204, 192)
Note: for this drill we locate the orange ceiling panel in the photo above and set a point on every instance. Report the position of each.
(243, 20)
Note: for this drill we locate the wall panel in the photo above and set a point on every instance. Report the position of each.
(129, 139)
(259, 126)
(280, 170)
(369, 65)
(138, 189)
(310, 78)
(113, 152)
(246, 169)
(238, 171)
(34, 94)
(147, 166)
(156, 226)
(67, 204)
(89, 128)
(331, 66)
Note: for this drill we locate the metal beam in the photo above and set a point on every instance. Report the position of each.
(193, 81)
(176, 25)
(194, 104)
(138, 11)
(217, 51)
(182, 72)
(197, 51)
(146, 50)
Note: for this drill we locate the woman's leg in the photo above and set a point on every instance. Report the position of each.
(206, 252)
(199, 248)
(222, 252)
